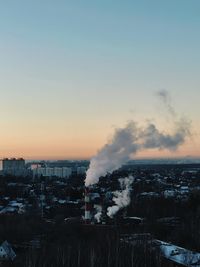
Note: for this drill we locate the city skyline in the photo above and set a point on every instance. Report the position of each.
(70, 73)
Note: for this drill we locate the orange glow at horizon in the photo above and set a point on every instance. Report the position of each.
(83, 149)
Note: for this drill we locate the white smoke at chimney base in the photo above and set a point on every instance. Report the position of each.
(122, 197)
(98, 215)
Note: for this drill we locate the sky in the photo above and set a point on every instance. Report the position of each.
(72, 71)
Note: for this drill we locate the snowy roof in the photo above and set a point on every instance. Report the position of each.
(8, 210)
(178, 254)
(8, 249)
(15, 204)
(62, 201)
(135, 218)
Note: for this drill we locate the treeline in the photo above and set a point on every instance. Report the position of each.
(187, 231)
(95, 247)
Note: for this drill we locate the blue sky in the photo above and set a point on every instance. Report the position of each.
(71, 70)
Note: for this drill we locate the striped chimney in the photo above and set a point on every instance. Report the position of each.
(87, 206)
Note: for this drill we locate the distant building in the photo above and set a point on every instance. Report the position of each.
(40, 171)
(81, 170)
(14, 166)
(49, 172)
(67, 172)
(60, 172)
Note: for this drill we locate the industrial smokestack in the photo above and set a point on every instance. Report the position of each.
(131, 139)
(88, 206)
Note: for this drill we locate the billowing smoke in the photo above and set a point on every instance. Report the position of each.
(127, 141)
(152, 138)
(114, 154)
(121, 198)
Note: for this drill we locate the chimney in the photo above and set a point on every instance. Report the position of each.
(87, 206)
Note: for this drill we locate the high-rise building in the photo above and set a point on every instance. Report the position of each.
(41, 171)
(60, 172)
(67, 172)
(49, 172)
(14, 166)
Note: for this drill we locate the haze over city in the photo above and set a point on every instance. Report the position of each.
(72, 72)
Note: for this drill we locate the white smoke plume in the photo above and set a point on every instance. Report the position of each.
(152, 138)
(121, 198)
(114, 154)
(98, 215)
(127, 141)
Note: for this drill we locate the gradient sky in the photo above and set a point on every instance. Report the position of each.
(71, 71)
